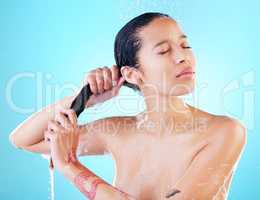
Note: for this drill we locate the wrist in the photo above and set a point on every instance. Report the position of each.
(71, 169)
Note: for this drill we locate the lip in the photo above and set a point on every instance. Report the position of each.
(187, 71)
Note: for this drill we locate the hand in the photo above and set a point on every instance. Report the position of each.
(63, 136)
(104, 83)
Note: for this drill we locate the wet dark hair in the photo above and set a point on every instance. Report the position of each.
(127, 43)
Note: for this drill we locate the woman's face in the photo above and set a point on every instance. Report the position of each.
(164, 54)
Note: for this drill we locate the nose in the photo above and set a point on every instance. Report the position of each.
(178, 55)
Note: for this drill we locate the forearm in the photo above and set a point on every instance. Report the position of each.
(91, 185)
(31, 131)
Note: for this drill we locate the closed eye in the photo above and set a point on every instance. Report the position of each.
(164, 52)
(188, 47)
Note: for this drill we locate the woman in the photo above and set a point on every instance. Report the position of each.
(170, 151)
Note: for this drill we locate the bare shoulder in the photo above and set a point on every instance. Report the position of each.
(229, 128)
(222, 127)
(108, 127)
(229, 134)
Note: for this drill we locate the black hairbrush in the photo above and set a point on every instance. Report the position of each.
(78, 104)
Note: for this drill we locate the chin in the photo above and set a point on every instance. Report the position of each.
(185, 92)
(183, 88)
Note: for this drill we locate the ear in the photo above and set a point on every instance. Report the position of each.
(131, 75)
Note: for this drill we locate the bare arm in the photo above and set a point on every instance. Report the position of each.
(91, 185)
(63, 138)
(29, 135)
(94, 138)
(213, 164)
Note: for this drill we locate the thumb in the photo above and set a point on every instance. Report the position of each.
(120, 82)
(118, 85)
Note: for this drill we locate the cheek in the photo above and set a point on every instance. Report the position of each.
(151, 66)
(159, 68)
(192, 59)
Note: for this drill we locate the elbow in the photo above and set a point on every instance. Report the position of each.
(13, 140)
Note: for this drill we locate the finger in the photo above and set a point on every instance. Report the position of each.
(100, 80)
(70, 124)
(46, 138)
(75, 141)
(107, 74)
(50, 136)
(64, 141)
(59, 147)
(71, 115)
(57, 142)
(91, 80)
(53, 126)
(64, 121)
(115, 74)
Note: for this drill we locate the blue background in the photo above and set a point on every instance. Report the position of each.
(54, 43)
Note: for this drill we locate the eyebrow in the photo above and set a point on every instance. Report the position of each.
(164, 41)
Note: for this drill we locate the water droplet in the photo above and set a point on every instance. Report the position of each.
(52, 183)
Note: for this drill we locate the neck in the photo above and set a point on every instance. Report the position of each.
(165, 111)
